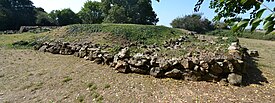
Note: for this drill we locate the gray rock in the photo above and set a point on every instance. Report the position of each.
(122, 67)
(164, 64)
(156, 72)
(54, 49)
(98, 60)
(139, 70)
(191, 76)
(175, 73)
(108, 59)
(253, 53)
(216, 68)
(234, 46)
(43, 48)
(123, 53)
(234, 79)
(187, 64)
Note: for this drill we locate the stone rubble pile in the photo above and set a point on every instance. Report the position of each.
(199, 66)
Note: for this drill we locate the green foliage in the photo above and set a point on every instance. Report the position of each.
(221, 25)
(116, 15)
(42, 18)
(64, 17)
(193, 22)
(91, 13)
(15, 13)
(129, 11)
(230, 9)
(148, 34)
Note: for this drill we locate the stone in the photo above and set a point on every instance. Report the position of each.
(153, 62)
(234, 54)
(216, 68)
(174, 61)
(234, 79)
(139, 70)
(253, 53)
(164, 65)
(54, 49)
(187, 64)
(197, 68)
(123, 53)
(108, 59)
(82, 53)
(156, 72)
(204, 65)
(175, 73)
(191, 76)
(98, 60)
(234, 46)
(122, 67)
(43, 48)
(188, 54)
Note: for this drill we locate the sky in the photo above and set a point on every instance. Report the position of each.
(167, 10)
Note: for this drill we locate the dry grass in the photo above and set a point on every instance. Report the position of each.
(266, 61)
(29, 76)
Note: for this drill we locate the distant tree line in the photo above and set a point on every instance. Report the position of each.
(16, 13)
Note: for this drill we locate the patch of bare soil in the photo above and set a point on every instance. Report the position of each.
(29, 76)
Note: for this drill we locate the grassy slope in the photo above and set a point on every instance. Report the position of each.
(148, 34)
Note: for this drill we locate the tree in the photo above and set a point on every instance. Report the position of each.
(116, 14)
(64, 17)
(15, 13)
(230, 9)
(91, 13)
(133, 11)
(42, 18)
(193, 22)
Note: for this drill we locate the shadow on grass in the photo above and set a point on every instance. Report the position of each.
(254, 74)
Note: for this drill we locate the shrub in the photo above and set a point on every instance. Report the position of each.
(193, 22)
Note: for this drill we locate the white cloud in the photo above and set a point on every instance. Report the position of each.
(50, 5)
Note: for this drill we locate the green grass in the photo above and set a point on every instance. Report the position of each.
(148, 34)
(7, 41)
(245, 34)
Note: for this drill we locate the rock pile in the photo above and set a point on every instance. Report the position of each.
(199, 66)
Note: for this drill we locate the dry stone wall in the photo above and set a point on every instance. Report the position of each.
(201, 66)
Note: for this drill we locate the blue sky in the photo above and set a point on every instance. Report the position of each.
(167, 10)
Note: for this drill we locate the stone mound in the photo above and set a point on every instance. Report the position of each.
(199, 66)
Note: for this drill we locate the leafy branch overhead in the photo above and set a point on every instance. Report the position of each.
(229, 10)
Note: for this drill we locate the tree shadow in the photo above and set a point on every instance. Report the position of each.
(253, 74)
